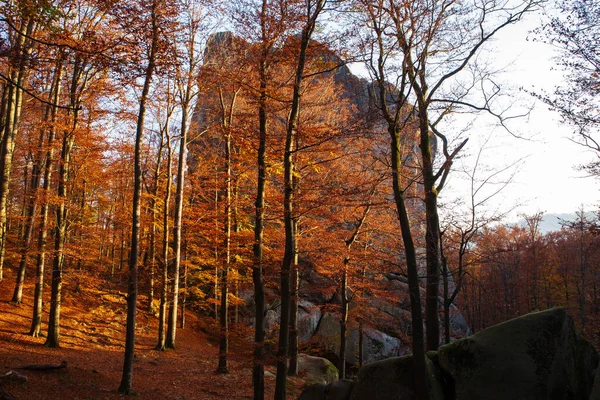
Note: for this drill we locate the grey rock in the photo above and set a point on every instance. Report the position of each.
(392, 379)
(309, 317)
(538, 356)
(338, 390)
(316, 369)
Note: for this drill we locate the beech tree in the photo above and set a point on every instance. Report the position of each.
(311, 14)
(151, 25)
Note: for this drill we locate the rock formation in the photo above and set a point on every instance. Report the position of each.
(538, 356)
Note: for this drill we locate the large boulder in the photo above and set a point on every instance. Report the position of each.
(338, 390)
(538, 356)
(316, 369)
(596, 390)
(392, 379)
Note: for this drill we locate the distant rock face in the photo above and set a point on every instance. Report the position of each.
(322, 328)
(318, 318)
(539, 356)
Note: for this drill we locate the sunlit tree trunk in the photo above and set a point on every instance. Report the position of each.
(226, 123)
(164, 295)
(154, 217)
(36, 320)
(12, 116)
(77, 85)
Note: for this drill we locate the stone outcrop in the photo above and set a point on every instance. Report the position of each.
(392, 379)
(538, 356)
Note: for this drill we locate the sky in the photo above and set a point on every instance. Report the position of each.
(546, 179)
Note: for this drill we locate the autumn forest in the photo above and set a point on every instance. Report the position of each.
(274, 171)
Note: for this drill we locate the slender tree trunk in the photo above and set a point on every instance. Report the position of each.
(164, 297)
(60, 237)
(313, 11)
(258, 370)
(53, 339)
(4, 111)
(178, 222)
(154, 215)
(418, 345)
(127, 378)
(345, 301)
(185, 274)
(14, 101)
(343, 319)
(294, 282)
(447, 303)
(227, 116)
(30, 210)
(36, 320)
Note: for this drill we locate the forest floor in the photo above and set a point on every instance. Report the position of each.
(92, 343)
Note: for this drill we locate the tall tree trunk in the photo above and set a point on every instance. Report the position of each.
(164, 296)
(12, 117)
(258, 370)
(60, 237)
(126, 380)
(294, 283)
(227, 117)
(394, 125)
(432, 239)
(344, 289)
(53, 339)
(418, 345)
(185, 274)
(154, 216)
(3, 120)
(178, 222)
(36, 320)
(313, 11)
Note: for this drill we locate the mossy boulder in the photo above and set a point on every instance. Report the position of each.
(539, 356)
(392, 379)
(316, 369)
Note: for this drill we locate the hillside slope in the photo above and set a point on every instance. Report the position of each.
(93, 337)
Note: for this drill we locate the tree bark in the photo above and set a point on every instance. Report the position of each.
(178, 221)
(126, 381)
(163, 338)
(36, 320)
(313, 11)
(258, 370)
(14, 100)
(227, 116)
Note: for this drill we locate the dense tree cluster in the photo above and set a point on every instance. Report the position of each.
(513, 270)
